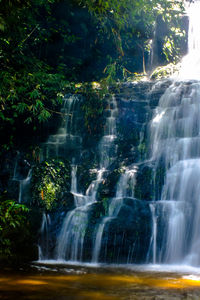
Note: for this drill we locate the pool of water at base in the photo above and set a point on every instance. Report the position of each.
(70, 281)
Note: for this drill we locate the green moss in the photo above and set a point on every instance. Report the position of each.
(50, 180)
(137, 77)
(165, 71)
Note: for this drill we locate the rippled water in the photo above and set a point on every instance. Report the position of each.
(106, 283)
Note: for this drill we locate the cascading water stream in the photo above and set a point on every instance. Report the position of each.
(125, 188)
(24, 186)
(22, 179)
(43, 248)
(66, 139)
(67, 136)
(190, 67)
(71, 239)
(175, 140)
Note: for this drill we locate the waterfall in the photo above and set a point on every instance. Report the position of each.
(175, 140)
(125, 188)
(71, 239)
(24, 186)
(61, 144)
(43, 247)
(67, 137)
(190, 68)
(126, 184)
(22, 174)
(153, 242)
(106, 147)
(152, 211)
(175, 131)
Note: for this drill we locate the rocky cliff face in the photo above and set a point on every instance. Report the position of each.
(92, 193)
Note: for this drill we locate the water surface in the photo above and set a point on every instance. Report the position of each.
(87, 282)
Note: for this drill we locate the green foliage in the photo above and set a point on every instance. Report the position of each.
(46, 46)
(13, 221)
(172, 44)
(31, 95)
(30, 88)
(49, 180)
(176, 34)
(131, 23)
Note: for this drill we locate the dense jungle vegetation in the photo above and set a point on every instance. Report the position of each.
(51, 47)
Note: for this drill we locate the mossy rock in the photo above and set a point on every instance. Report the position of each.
(126, 238)
(144, 189)
(167, 71)
(50, 180)
(107, 188)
